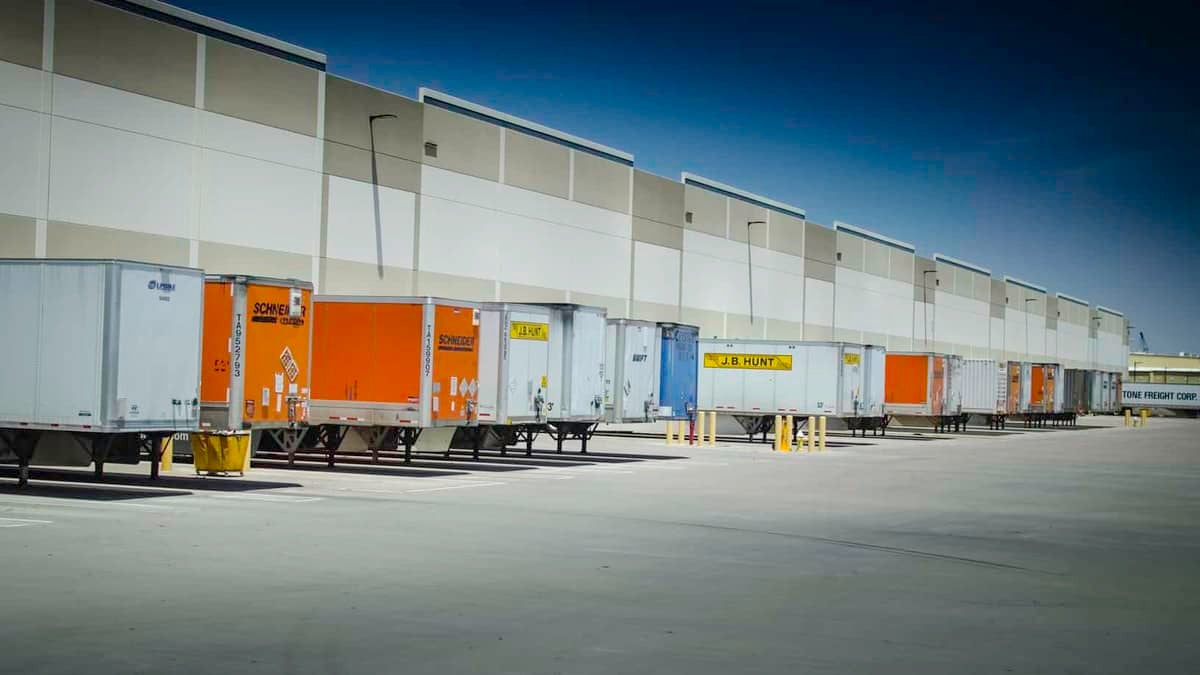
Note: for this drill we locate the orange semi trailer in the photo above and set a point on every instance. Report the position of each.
(921, 388)
(389, 367)
(255, 348)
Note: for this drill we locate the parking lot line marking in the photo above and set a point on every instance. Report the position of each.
(278, 499)
(453, 487)
(23, 522)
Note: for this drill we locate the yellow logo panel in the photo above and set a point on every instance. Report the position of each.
(749, 361)
(851, 359)
(525, 330)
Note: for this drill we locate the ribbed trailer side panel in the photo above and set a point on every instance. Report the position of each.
(632, 372)
(983, 386)
(514, 363)
(678, 370)
(403, 362)
(100, 346)
(577, 362)
(767, 377)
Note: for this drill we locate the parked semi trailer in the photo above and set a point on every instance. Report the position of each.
(101, 360)
(925, 389)
(389, 367)
(678, 369)
(577, 355)
(631, 377)
(255, 358)
(984, 392)
(755, 380)
(514, 376)
(1106, 394)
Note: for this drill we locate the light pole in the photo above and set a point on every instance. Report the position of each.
(375, 193)
(925, 306)
(749, 268)
(1027, 301)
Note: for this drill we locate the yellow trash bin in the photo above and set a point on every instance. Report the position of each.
(221, 453)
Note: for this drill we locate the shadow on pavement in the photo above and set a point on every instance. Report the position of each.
(358, 467)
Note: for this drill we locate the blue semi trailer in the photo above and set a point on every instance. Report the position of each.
(679, 368)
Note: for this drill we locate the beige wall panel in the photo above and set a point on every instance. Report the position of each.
(998, 291)
(343, 277)
(615, 306)
(820, 243)
(455, 287)
(654, 232)
(117, 49)
(851, 251)
(18, 236)
(847, 335)
(653, 311)
(820, 270)
(898, 343)
(535, 164)
(778, 329)
(741, 213)
(216, 258)
(869, 338)
(464, 144)
(902, 265)
(657, 198)
(787, 234)
(351, 162)
(707, 209)
(529, 294)
(1051, 312)
(260, 88)
(601, 182)
(21, 32)
(997, 311)
(738, 326)
(70, 240)
(983, 288)
(817, 333)
(876, 258)
(349, 107)
(712, 324)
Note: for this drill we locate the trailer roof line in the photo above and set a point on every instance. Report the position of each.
(465, 107)
(737, 193)
(1114, 312)
(874, 236)
(962, 263)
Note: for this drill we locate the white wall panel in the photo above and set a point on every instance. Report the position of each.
(492, 196)
(782, 297)
(352, 231)
(924, 323)
(119, 179)
(1051, 348)
(20, 134)
(539, 253)
(260, 141)
(110, 107)
(996, 340)
(21, 86)
(818, 302)
(1111, 352)
(1073, 343)
(960, 320)
(462, 239)
(249, 202)
(1017, 325)
(714, 284)
(655, 273)
(866, 302)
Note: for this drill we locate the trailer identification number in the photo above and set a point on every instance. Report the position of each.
(749, 361)
(526, 330)
(851, 359)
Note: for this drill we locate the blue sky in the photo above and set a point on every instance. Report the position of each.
(1057, 145)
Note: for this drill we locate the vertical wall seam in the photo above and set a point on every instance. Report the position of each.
(571, 174)
(197, 152)
(503, 149)
(321, 199)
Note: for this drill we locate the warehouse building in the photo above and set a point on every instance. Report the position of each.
(133, 129)
(1164, 368)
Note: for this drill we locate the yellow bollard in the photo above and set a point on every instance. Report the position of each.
(712, 428)
(1128, 417)
(670, 432)
(1145, 416)
(788, 423)
(821, 427)
(167, 459)
(778, 433)
(812, 433)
